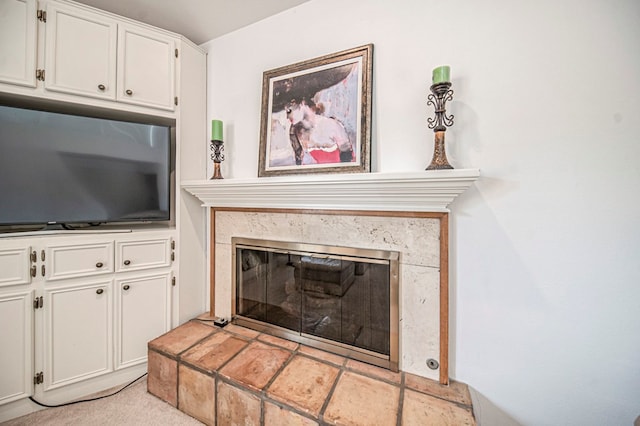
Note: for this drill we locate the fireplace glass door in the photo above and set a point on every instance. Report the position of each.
(341, 300)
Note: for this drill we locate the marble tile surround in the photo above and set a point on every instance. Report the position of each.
(416, 239)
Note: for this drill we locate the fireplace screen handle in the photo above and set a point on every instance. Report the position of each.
(320, 256)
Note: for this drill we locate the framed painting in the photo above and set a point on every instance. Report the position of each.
(316, 115)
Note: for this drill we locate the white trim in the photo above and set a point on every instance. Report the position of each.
(430, 191)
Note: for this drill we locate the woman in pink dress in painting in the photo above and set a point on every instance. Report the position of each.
(310, 109)
(324, 138)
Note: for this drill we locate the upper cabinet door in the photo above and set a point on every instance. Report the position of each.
(80, 52)
(146, 67)
(18, 36)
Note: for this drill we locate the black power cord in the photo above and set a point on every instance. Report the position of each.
(87, 400)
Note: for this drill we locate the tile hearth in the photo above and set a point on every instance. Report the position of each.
(233, 375)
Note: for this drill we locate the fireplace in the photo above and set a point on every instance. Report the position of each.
(419, 239)
(403, 212)
(340, 299)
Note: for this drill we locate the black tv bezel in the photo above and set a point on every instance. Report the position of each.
(53, 106)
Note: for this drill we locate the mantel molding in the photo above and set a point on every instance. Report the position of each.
(429, 191)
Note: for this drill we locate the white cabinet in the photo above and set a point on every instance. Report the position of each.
(143, 305)
(146, 67)
(18, 36)
(143, 313)
(95, 307)
(86, 53)
(154, 301)
(80, 52)
(77, 308)
(78, 332)
(16, 350)
(89, 54)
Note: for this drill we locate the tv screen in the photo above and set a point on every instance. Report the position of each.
(68, 169)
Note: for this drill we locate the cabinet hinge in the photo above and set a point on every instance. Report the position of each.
(38, 302)
(33, 257)
(175, 100)
(40, 75)
(173, 256)
(42, 270)
(42, 15)
(42, 256)
(173, 281)
(38, 378)
(176, 53)
(173, 244)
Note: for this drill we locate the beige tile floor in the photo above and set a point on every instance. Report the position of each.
(233, 375)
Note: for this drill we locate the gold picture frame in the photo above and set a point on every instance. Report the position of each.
(316, 115)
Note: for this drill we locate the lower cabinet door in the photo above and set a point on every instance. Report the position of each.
(78, 333)
(143, 312)
(16, 350)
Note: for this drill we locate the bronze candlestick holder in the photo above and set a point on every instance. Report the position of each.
(440, 94)
(217, 156)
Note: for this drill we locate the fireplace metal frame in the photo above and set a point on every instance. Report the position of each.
(348, 253)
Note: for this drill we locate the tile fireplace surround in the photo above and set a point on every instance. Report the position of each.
(404, 212)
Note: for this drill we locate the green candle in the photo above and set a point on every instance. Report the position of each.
(216, 130)
(441, 74)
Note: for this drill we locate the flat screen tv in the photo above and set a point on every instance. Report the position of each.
(62, 169)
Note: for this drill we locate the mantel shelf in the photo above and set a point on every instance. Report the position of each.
(428, 191)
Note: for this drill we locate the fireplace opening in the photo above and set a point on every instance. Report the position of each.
(340, 299)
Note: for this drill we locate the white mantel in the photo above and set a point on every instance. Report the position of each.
(427, 191)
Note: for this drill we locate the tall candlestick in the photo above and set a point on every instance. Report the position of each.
(440, 94)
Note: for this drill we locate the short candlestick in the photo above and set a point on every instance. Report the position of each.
(217, 156)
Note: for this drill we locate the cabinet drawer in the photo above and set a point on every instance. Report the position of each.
(143, 254)
(81, 260)
(14, 266)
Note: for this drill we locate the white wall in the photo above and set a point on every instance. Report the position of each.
(545, 271)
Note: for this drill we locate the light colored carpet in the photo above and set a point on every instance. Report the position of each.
(132, 406)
